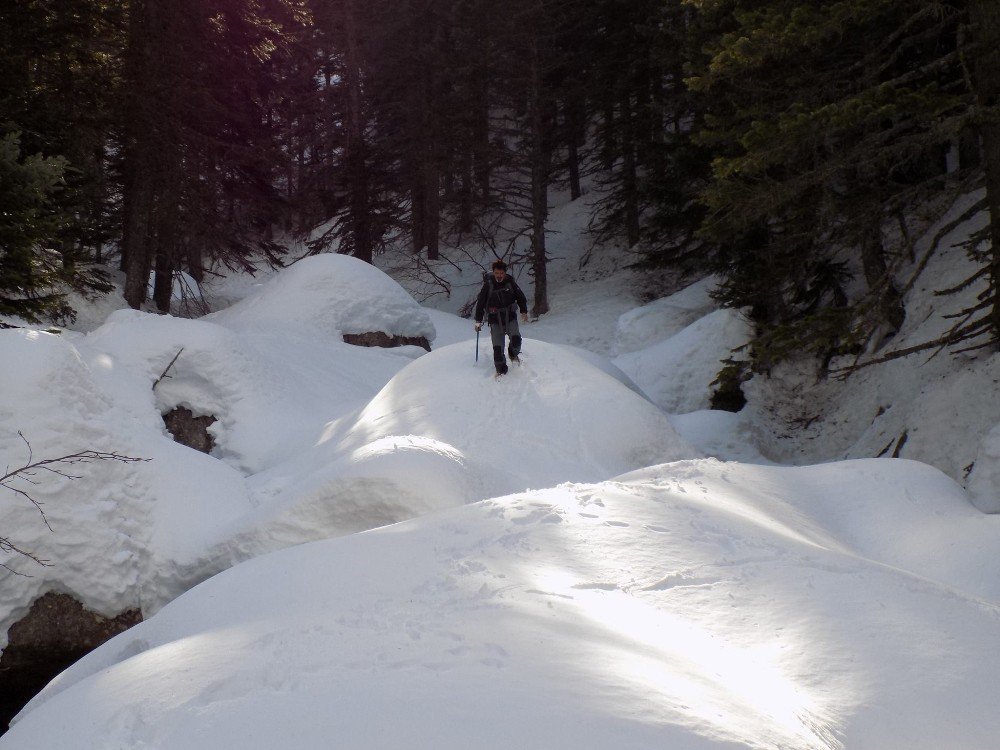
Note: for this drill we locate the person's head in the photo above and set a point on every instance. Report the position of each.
(499, 270)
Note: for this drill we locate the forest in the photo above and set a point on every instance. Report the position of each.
(793, 147)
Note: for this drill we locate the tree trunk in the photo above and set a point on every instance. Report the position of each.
(418, 208)
(431, 161)
(572, 125)
(608, 145)
(890, 304)
(984, 16)
(136, 260)
(195, 262)
(540, 157)
(481, 134)
(356, 148)
(163, 283)
(629, 182)
(466, 192)
(432, 220)
(138, 201)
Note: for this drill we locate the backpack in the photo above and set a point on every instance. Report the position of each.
(498, 295)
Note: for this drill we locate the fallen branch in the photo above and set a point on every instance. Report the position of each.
(164, 373)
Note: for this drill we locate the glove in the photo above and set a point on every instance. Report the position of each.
(524, 317)
(478, 327)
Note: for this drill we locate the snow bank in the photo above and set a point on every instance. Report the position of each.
(445, 432)
(122, 534)
(334, 294)
(554, 418)
(644, 326)
(670, 607)
(677, 373)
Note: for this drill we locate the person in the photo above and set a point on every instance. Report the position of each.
(500, 299)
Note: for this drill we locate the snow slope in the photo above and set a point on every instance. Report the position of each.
(314, 437)
(572, 574)
(690, 605)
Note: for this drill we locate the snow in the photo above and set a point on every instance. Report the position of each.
(696, 604)
(657, 321)
(678, 371)
(392, 548)
(935, 408)
(332, 294)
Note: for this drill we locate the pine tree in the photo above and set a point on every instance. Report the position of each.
(824, 118)
(58, 81)
(33, 276)
(201, 155)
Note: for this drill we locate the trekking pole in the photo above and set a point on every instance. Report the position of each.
(477, 345)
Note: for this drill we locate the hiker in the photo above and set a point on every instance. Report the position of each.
(501, 298)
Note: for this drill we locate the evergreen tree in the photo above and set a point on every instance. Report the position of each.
(827, 119)
(33, 276)
(58, 81)
(202, 157)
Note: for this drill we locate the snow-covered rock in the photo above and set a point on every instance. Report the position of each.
(136, 534)
(445, 432)
(120, 534)
(272, 390)
(552, 419)
(332, 293)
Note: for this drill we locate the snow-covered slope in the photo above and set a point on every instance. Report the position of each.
(314, 437)
(933, 407)
(692, 605)
(628, 594)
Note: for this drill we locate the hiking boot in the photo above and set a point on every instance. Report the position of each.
(499, 361)
(514, 348)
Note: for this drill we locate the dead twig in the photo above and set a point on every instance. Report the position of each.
(164, 373)
(28, 474)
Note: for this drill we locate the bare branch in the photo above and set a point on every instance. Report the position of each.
(27, 474)
(164, 373)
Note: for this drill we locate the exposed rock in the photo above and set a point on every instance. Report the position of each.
(378, 338)
(55, 633)
(190, 430)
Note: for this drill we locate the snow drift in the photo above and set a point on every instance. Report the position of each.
(670, 607)
(444, 432)
(331, 293)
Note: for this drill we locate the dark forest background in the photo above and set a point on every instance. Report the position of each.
(797, 148)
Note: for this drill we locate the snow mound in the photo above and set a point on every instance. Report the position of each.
(667, 608)
(662, 318)
(677, 373)
(119, 534)
(554, 418)
(272, 392)
(444, 432)
(333, 293)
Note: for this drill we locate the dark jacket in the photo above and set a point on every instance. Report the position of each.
(500, 300)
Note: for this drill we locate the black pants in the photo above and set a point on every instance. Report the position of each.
(505, 325)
